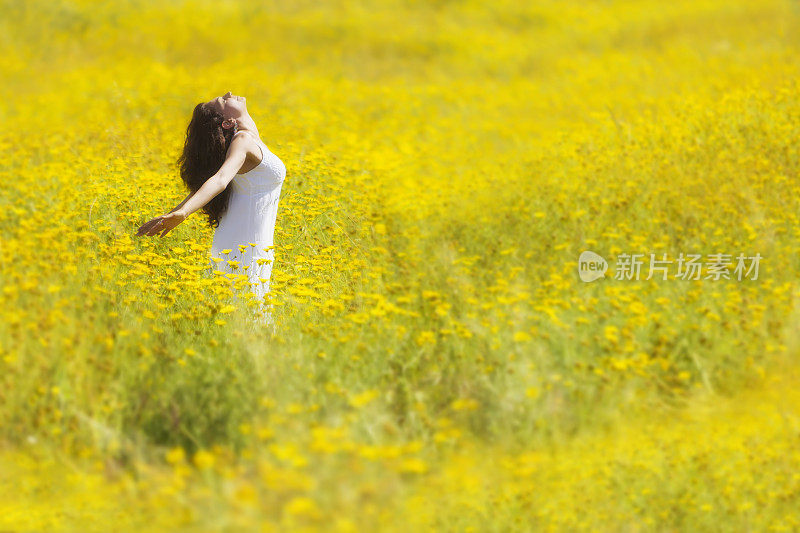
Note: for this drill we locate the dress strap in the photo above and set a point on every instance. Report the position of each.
(243, 131)
(261, 145)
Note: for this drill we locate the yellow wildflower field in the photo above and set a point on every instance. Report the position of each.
(536, 268)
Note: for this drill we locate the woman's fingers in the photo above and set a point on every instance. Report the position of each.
(144, 228)
(162, 224)
(155, 228)
(147, 225)
(170, 221)
(151, 227)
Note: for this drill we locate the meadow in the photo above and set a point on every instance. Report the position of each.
(436, 362)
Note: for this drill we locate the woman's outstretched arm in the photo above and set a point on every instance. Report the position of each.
(237, 153)
(182, 202)
(217, 183)
(147, 226)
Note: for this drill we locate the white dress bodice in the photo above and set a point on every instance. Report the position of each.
(250, 221)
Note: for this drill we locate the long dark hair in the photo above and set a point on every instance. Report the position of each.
(204, 152)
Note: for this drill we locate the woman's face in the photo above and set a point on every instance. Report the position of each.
(229, 105)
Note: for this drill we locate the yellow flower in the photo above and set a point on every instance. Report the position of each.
(359, 400)
(521, 336)
(302, 506)
(532, 392)
(426, 337)
(611, 334)
(176, 455)
(203, 459)
(246, 493)
(413, 465)
(442, 309)
(464, 404)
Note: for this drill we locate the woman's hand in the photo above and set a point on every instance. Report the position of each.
(163, 224)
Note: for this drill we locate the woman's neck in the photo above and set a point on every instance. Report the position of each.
(248, 124)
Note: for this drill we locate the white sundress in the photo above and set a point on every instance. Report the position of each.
(250, 218)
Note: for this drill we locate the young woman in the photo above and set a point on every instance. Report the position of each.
(236, 180)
